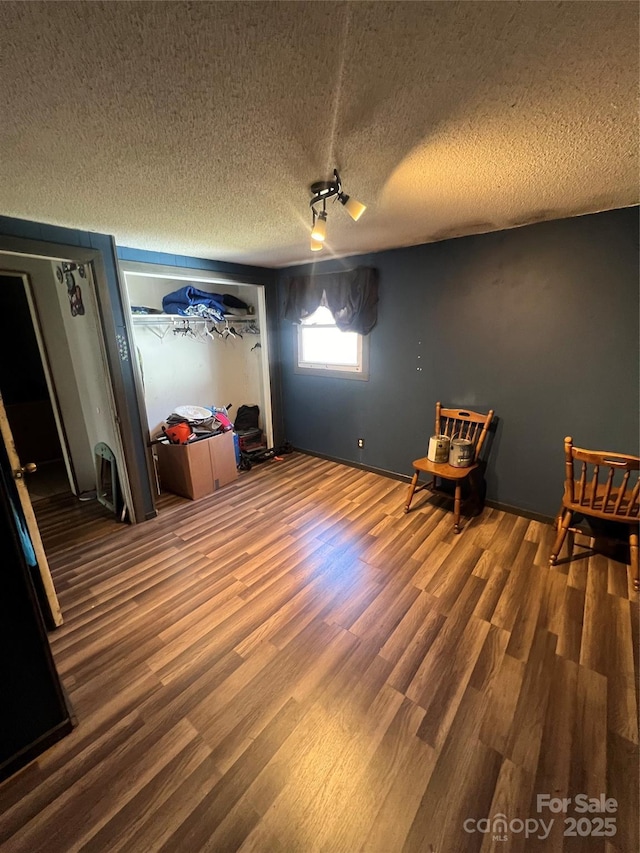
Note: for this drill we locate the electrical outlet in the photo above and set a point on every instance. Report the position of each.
(361, 442)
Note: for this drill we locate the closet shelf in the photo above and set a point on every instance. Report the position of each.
(232, 325)
(155, 319)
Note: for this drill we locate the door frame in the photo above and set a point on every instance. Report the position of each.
(112, 348)
(203, 276)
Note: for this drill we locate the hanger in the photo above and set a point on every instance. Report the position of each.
(185, 329)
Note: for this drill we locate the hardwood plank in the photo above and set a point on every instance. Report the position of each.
(318, 820)
(589, 742)
(597, 617)
(373, 803)
(528, 719)
(416, 652)
(623, 785)
(571, 621)
(118, 832)
(398, 807)
(82, 810)
(159, 825)
(442, 705)
(449, 580)
(492, 592)
(456, 757)
(554, 767)
(502, 698)
(513, 596)
(401, 636)
(622, 702)
(59, 770)
(522, 635)
(490, 658)
(195, 830)
(511, 798)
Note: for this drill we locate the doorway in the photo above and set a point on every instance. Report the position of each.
(56, 405)
(66, 506)
(26, 394)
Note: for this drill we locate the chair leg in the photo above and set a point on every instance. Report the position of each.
(633, 548)
(562, 532)
(456, 509)
(412, 489)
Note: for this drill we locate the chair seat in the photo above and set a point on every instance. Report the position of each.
(443, 469)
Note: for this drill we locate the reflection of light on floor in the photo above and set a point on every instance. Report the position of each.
(321, 760)
(336, 763)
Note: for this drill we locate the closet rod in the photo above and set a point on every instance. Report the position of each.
(154, 319)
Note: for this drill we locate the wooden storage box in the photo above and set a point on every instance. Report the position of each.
(197, 469)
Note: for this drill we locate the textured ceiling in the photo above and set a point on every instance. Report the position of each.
(196, 128)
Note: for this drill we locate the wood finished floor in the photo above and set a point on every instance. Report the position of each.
(295, 665)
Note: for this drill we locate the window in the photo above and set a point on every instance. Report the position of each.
(324, 350)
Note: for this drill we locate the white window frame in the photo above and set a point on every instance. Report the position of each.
(336, 371)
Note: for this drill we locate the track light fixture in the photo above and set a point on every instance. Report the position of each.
(321, 191)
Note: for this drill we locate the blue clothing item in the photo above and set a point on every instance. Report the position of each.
(25, 539)
(191, 302)
(18, 515)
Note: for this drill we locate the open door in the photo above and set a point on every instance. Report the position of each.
(20, 469)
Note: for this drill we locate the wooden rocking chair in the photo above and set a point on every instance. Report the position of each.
(457, 423)
(613, 499)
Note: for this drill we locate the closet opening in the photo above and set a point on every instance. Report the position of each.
(192, 361)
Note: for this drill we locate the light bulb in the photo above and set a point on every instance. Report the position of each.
(316, 245)
(319, 230)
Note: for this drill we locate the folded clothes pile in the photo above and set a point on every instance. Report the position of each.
(191, 302)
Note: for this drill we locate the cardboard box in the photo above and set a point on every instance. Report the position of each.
(197, 469)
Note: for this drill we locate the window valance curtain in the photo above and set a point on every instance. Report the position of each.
(351, 296)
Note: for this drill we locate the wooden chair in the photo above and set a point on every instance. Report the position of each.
(613, 499)
(458, 423)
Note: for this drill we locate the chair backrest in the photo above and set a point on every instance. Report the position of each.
(461, 423)
(605, 486)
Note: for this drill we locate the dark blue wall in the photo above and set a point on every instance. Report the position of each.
(539, 323)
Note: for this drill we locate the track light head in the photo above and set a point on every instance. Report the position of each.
(319, 230)
(354, 208)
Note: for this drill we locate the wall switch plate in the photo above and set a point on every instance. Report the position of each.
(361, 442)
